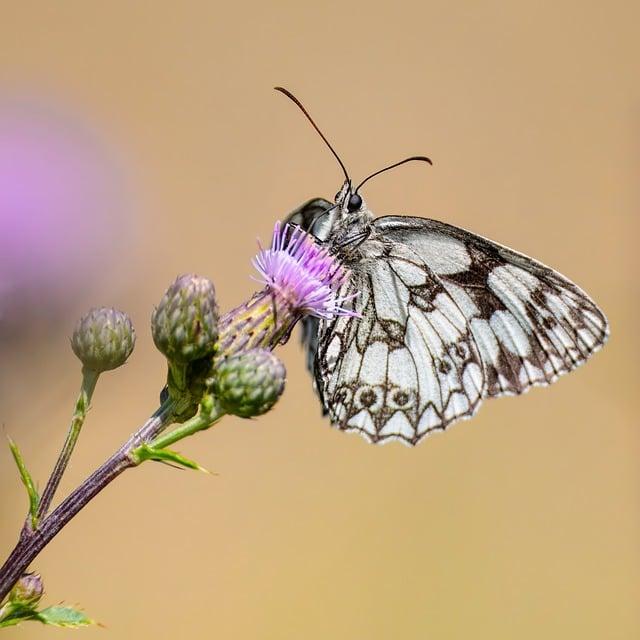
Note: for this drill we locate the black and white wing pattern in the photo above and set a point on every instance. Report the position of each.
(410, 364)
(531, 324)
(448, 318)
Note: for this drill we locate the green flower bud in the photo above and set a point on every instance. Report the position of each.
(248, 384)
(185, 323)
(103, 339)
(27, 591)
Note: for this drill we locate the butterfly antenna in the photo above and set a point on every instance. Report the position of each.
(315, 126)
(393, 166)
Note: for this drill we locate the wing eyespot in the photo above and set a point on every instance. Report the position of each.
(370, 398)
(401, 399)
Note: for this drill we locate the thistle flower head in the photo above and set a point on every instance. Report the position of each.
(28, 590)
(103, 339)
(303, 273)
(249, 384)
(185, 323)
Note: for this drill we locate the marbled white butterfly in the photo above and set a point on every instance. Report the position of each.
(448, 318)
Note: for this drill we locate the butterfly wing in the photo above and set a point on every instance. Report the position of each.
(311, 217)
(530, 323)
(410, 364)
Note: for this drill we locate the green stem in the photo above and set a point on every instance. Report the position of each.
(177, 378)
(89, 381)
(204, 419)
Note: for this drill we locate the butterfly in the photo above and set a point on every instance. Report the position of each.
(447, 318)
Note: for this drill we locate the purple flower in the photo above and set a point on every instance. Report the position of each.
(303, 273)
(64, 202)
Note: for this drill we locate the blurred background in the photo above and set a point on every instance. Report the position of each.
(143, 140)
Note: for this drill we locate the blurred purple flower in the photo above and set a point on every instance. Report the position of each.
(61, 202)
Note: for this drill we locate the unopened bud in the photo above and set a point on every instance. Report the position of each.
(248, 384)
(103, 339)
(185, 323)
(28, 590)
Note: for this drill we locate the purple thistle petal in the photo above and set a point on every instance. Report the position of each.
(304, 273)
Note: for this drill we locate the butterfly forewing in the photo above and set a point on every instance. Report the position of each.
(530, 323)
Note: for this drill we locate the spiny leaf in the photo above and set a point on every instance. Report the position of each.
(27, 480)
(61, 616)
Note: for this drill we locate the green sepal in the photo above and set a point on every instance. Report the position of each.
(61, 616)
(166, 456)
(27, 481)
(13, 613)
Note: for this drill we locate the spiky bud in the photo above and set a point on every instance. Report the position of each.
(27, 591)
(103, 339)
(185, 323)
(249, 383)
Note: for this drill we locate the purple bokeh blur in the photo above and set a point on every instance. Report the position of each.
(63, 198)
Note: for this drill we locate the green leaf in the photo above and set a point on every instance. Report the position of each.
(166, 456)
(27, 480)
(60, 616)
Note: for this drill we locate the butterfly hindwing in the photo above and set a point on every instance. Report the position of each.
(410, 364)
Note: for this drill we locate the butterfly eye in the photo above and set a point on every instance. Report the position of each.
(355, 202)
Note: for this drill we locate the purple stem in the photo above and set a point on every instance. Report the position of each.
(32, 541)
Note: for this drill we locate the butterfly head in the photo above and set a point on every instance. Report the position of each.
(350, 205)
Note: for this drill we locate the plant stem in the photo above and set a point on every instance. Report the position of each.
(32, 542)
(202, 420)
(89, 380)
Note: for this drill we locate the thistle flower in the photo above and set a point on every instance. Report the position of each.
(303, 273)
(249, 384)
(28, 591)
(103, 339)
(301, 277)
(185, 323)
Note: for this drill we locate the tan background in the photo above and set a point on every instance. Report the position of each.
(523, 523)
